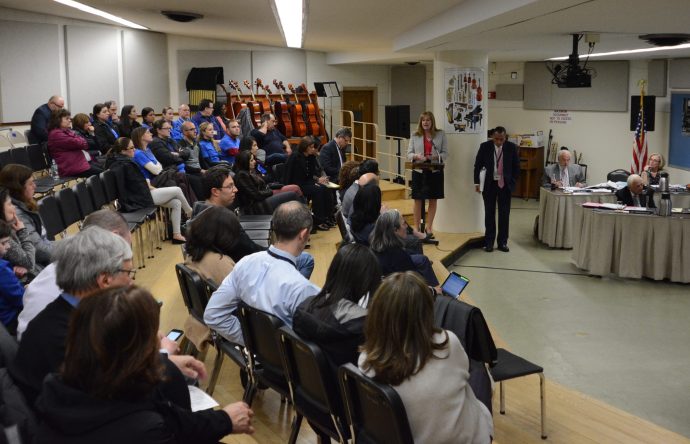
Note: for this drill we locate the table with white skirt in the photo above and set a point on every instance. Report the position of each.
(556, 214)
(632, 245)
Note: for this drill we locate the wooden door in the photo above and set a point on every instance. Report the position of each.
(361, 102)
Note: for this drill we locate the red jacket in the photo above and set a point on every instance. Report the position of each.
(65, 147)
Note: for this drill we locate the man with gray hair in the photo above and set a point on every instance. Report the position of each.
(268, 280)
(183, 116)
(86, 263)
(43, 289)
(634, 194)
(332, 155)
(41, 117)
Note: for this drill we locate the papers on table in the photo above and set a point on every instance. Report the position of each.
(603, 206)
(200, 399)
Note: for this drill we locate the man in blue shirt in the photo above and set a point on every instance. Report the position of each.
(41, 117)
(271, 140)
(177, 132)
(205, 114)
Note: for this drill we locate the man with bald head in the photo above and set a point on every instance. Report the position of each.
(563, 174)
(177, 134)
(41, 117)
(634, 194)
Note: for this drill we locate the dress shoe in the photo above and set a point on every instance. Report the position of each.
(177, 241)
(504, 248)
(488, 249)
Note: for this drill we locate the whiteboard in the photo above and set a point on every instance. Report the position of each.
(29, 68)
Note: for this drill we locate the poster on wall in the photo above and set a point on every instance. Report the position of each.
(679, 149)
(463, 104)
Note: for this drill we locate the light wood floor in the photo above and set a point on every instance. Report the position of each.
(571, 416)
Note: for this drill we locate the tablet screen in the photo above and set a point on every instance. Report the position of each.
(454, 284)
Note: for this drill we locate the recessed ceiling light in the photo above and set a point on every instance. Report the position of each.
(290, 17)
(100, 13)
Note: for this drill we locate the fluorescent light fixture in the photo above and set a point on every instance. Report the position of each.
(100, 13)
(629, 51)
(290, 17)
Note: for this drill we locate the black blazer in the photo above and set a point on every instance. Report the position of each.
(511, 162)
(104, 136)
(646, 197)
(330, 160)
(132, 189)
(163, 151)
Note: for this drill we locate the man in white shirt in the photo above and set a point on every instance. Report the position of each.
(268, 280)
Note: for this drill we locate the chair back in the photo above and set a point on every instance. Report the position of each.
(8, 347)
(109, 181)
(259, 330)
(83, 199)
(342, 227)
(69, 208)
(5, 157)
(49, 210)
(313, 384)
(193, 291)
(95, 187)
(375, 411)
(37, 158)
(279, 172)
(21, 156)
(618, 175)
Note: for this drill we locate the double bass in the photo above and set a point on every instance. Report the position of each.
(281, 110)
(299, 128)
(312, 119)
(238, 105)
(265, 102)
(254, 106)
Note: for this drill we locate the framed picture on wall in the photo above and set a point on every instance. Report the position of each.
(463, 102)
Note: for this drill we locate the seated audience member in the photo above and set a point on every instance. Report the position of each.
(43, 289)
(211, 239)
(635, 195)
(655, 164)
(19, 181)
(219, 114)
(272, 141)
(334, 318)
(138, 192)
(426, 366)
(332, 154)
(114, 119)
(189, 150)
(164, 147)
(220, 189)
(209, 149)
(253, 195)
(41, 117)
(349, 173)
(168, 115)
(268, 280)
(248, 143)
(148, 116)
(367, 171)
(128, 120)
(90, 260)
(388, 242)
(303, 170)
(11, 290)
(108, 389)
(182, 117)
(365, 211)
(105, 134)
(563, 174)
(81, 124)
(20, 252)
(230, 143)
(205, 114)
(67, 148)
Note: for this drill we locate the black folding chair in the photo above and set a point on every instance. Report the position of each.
(258, 228)
(21, 156)
(83, 199)
(49, 210)
(313, 387)
(69, 208)
(375, 412)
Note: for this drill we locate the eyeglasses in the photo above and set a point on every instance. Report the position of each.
(166, 128)
(132, 273)
(190, 129)
(230, 187)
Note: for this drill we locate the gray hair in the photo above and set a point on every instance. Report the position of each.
(344, 132)
(289, 219)
(633, 178)
(108, 220)
(84, 256)
(384, 237)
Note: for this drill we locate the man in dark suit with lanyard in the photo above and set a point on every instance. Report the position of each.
(499, 158)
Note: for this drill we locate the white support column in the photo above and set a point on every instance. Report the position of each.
(462, 210)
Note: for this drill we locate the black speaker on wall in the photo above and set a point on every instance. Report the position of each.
(398, 120)
(649, 111)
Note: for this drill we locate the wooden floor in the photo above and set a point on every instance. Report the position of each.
(571, 416)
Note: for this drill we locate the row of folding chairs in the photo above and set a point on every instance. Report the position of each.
(37, 158)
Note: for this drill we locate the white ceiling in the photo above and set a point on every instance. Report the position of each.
(377, 31)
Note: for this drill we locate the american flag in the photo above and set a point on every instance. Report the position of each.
(639, 158)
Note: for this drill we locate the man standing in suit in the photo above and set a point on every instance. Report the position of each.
(563, 174)
(332, 155)
(500, 161)
(41, 117)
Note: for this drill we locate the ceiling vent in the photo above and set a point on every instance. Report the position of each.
(666, 39)
(182, 17)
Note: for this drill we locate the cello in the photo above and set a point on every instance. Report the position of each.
(265, 103)
(312, 119)
(254, 106)
(238, 105)
(298, 125)
(282, 113)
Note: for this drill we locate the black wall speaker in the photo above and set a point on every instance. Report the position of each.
(398, 120)
(649, 109)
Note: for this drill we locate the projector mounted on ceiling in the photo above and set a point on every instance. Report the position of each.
(571, 74)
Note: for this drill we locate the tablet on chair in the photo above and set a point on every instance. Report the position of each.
(454, 284)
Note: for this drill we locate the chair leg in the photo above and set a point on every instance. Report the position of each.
(542, 390)
(503, 398)
(216, 372)
(141, 247)
(296, 424)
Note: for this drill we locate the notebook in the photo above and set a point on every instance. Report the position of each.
(454, 284)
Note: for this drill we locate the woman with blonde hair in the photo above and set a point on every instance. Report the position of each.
(403, 349)
(427, 144)
(208, 146)
(655, 164)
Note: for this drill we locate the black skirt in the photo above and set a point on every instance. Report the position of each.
(427, 185)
